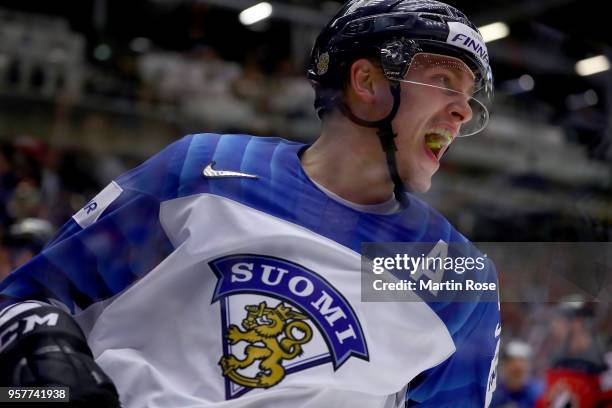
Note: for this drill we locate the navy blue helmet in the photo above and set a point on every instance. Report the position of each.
(394, 32)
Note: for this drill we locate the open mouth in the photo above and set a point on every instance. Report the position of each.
(437, 139)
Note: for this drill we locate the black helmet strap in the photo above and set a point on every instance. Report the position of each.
(385, 136)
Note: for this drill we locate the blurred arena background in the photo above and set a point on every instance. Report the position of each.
(89, 89)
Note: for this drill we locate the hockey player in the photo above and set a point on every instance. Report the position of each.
(224, 271)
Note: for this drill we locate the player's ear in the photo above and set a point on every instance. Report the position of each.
(366, 81)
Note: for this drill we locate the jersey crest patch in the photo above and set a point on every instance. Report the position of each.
(279, 318)
(264, 325)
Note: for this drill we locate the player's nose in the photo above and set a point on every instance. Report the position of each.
(459, 108)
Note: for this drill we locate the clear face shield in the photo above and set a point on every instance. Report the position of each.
(470, 87)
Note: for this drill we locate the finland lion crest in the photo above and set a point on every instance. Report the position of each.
(274, 335)
(278, 319)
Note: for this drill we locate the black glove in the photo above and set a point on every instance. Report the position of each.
(44, 346)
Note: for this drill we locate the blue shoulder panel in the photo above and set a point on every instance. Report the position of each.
(81, 266)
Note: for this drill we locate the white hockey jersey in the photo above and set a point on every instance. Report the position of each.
(223, 290)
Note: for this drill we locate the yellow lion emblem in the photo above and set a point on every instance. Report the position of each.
(263, 325)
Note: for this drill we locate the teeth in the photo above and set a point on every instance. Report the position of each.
(437, 138)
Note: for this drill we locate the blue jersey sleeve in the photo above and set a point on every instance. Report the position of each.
(468, 377)
(109, 244)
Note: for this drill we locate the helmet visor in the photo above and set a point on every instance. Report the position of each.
(450, 77)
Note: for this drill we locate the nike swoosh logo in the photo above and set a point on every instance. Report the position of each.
(209, 172)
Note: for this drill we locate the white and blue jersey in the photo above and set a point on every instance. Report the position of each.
(215, 291)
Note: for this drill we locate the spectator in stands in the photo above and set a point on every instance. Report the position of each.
(516, 388)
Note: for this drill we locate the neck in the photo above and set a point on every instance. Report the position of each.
(348, 160)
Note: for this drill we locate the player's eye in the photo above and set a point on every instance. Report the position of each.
(443, 80)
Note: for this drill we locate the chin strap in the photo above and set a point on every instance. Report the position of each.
(385, 136)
